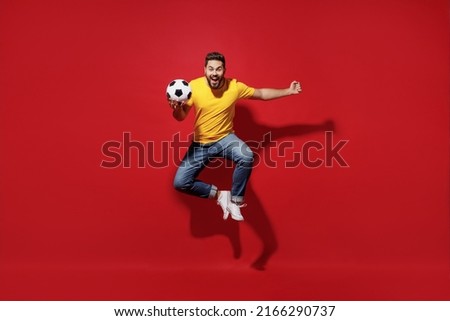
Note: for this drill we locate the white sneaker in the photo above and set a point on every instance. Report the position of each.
(235, 211)
(222, 201)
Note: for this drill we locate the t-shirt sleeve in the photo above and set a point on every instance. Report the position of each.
(190, 101)
(244, 90)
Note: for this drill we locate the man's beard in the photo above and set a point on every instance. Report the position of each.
(215, 82)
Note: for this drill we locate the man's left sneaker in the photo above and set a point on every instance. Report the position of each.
(235, 211)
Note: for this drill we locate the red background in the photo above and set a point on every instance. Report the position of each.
(76, 74)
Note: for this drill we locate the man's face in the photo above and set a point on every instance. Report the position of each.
(215, 72)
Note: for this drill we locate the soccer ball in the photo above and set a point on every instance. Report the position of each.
(178, 90)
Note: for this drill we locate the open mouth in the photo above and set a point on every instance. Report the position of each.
(214, 81)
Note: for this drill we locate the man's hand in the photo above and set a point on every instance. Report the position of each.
(176, 104)
(295, 88)
(180, 109)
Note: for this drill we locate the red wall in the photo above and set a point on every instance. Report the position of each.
(76, 75)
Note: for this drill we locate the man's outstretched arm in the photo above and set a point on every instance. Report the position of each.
(271, 93)
(180, 109)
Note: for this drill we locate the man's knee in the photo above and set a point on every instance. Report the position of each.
(180, 184)
(246, 157)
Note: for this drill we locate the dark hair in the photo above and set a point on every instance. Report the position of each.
(215, 56)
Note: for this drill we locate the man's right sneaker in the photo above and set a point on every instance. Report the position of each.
(235, 211)
(222, 200)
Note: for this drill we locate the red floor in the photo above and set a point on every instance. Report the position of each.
(234, 282)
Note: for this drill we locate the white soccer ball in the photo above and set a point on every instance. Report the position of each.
(178, 90)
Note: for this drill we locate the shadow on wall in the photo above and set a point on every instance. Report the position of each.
(206, 217)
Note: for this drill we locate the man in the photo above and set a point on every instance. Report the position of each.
(214, 98)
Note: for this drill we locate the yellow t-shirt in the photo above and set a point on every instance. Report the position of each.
(214, 108)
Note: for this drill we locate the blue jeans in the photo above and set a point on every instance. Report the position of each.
(199, 155)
